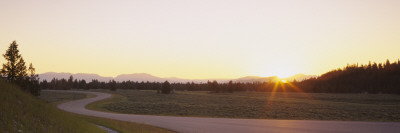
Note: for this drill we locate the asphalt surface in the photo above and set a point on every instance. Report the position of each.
(227, 125)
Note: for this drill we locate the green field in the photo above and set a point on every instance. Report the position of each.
(121, 126)
(259, 105)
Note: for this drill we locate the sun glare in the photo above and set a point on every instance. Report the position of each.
(280, 69)
(279, 74)
(285, 86)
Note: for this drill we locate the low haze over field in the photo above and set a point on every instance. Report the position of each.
(201, 39)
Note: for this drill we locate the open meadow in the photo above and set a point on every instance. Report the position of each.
(259, 105)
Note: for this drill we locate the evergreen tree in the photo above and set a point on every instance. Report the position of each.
(32, 71)
(113, 85)
(387, 64)
(214, 86)
(70, 82)
(33, 81)
(44, 84)
(15, 70)
(15, 67)
(166, 88)
(82, 84)
(230, 87)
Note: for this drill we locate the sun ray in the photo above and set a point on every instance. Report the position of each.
(273, 92)
(297, 89)
(283, 84)
(283, 88)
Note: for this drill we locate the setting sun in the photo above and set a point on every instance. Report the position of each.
(284, 81)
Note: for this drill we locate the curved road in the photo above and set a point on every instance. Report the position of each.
(219, 125)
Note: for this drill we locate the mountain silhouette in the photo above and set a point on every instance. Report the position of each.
(148, 77)
(138, 77)
(88, 77)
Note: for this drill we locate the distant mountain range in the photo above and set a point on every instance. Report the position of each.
(88, 77)
(147, 77)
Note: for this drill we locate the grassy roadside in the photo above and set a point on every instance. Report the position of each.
(55, 98)
(21, 112)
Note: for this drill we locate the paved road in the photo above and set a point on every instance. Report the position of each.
(227, 125)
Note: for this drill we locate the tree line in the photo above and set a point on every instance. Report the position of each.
(355, 78)
(214, 86)
(71, 83)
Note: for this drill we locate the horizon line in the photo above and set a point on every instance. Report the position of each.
(180, 77)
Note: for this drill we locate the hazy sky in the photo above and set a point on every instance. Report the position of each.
(202, 38)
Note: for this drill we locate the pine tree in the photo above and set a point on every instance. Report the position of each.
(70, 82)
(15, 67)
(32, 70)
(113, 85)
(33, 81)
(166, 88)
(230, 87)
(215, 86)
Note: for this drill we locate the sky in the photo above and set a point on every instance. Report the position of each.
(200, 39)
